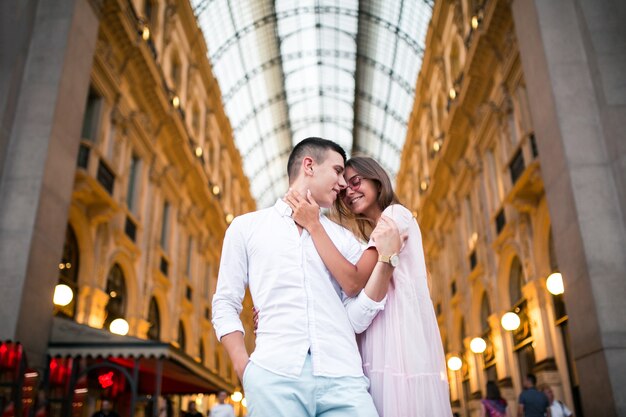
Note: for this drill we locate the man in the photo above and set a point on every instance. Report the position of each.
(557, 408)
(192, 411)
(221, 409)
(306, 361)
(106, 409)
(532, 403)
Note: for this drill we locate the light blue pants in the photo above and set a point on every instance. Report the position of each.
(272, 395)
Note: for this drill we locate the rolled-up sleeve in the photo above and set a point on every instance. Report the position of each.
(362, 310)
(231, 282)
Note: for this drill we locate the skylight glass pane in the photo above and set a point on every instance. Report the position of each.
(288, 69)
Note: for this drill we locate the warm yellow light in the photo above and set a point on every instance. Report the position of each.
(237, 396)
(244, 402)
(454, 363)
(61, 266)
(145, 33)
(452, 93)
(478, 345)
(119, 326)
(199, 151)
(216, 189)
(229, 218)
(475, 22)
(510, 321)
(176, 102)
(63, 295)
(436, 146)
(555, 284)
(424, 185)
(113, 294)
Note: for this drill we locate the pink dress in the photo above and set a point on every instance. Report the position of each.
(402, 351)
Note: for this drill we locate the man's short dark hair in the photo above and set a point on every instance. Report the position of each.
(532, 378)
(314, 147)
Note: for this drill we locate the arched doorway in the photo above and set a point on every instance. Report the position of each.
(154, 319)
(522, 337)
(116, 289)
(68, 272)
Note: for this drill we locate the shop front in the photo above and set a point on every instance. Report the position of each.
(139, 378)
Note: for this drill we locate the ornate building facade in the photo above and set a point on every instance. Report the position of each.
(487, 168)
(148, 182)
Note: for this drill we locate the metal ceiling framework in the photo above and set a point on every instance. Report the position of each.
(340, 69)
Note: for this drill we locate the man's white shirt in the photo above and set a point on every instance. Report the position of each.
(558, 409)
(297, 298)
(222, 410)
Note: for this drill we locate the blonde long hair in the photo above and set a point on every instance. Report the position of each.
(371, 170)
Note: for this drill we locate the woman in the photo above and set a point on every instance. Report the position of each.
(402, 352)
(493, 405)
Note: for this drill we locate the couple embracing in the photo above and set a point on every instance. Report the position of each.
(315, 285)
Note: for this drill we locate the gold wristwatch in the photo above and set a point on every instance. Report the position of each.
(392, 259)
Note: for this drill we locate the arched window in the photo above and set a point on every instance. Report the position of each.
(218, 361)
(195, 120)
(148, 10)
(455, 63)
(201, 352)
(516, 281)
(116, 289)
(68, 271)
(463, 333)
(176, 71)
(181, 336)
(229, 368)
(485, 312)
(154, 318)
(554, 265)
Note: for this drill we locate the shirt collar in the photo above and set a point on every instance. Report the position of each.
(283, 208)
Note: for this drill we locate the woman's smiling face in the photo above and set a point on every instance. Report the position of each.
(361, 194)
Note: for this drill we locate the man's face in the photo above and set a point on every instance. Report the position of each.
(527, 383)
(106, 406)
(327, 179)
(222, 397)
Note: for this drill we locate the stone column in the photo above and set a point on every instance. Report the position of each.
(574, 58)
(47, 52)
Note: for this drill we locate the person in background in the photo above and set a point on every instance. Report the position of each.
(557, 408)
(192, 411)
(532, 403)
(106, 409)
(221, 409)
(493, 405)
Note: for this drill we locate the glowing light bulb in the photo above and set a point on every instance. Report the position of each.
(454, 363)
(478, 345)
(510, 321)
(63, 295)
(119, 326)
(555, 283)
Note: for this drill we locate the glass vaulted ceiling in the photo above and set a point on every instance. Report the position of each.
(340, 69)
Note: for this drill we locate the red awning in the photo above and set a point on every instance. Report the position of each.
(181, 374)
